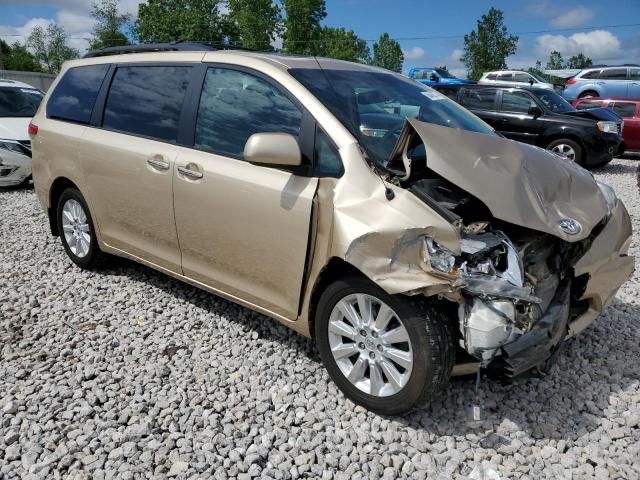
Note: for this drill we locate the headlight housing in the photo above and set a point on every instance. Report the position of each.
(608, 127)
(440, 259)
(13, 147)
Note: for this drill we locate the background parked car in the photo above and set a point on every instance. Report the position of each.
(514, 78)
(606, 82)
(434, 76)
(542, 117)
(628, 110)
(18, 103)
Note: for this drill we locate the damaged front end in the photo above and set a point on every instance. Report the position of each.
(535, 234)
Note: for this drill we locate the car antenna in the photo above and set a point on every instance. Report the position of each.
(388, 193)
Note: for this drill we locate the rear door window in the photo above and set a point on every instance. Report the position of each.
(624, 109)
(589, 104)
(505, 77)
(75, 95)
(516, 102)
(634, 73)
(234, 105)
(479, 99)
(147, 101)
(614, 74)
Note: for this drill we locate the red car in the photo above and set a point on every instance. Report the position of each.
(629, 110)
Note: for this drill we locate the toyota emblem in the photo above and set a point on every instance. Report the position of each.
(570, 226)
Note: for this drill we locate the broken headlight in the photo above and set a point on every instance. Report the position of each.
(440, 259)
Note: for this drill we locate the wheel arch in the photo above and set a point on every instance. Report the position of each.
(58, 186)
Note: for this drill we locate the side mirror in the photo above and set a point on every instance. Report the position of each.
(531, 81)
(273, 149)
(535, 111)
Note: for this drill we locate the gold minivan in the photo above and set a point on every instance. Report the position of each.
(352, 204)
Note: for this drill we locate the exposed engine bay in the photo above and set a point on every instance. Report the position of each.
(517, 283)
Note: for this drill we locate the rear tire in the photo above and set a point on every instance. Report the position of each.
(77, 231)
(391, 367)
(567, 148)
(588, 93)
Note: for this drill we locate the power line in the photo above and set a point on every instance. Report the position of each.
(432, 37)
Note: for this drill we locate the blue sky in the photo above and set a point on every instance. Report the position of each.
(568, 26)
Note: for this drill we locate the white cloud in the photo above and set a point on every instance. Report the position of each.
(414, 53)
(576, 17)
(456, 54)
(597, 44)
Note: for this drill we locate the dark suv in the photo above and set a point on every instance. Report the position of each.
(542, 117)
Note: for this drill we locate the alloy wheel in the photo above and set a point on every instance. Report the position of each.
(565, 151)
(370, 345)
(76, 228)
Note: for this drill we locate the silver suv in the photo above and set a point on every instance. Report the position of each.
(605, 82)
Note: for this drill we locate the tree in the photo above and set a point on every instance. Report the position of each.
(556, 62)
(174, 20)
(49, 47)
(17, 57)
(302, 29)
(255, 23)
(108, 29)
(388, 54)
(488, 47)
(579, 61)
(343, 45)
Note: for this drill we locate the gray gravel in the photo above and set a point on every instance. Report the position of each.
(127, 373)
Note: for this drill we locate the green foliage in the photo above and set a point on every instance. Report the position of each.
(343, 45)
(49, 47)
(388, 54)
(556, 62)
(175, 20)
(17, 57)
(108, 29)
(302, 32)
(254, 24)
(579, 61)
(488, 47)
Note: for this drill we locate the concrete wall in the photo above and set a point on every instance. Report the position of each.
(39, 80)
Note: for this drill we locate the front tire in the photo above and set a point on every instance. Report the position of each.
(567, 148)
(388, 353)
(77, 231)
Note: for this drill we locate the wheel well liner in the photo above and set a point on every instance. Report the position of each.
(59, 185)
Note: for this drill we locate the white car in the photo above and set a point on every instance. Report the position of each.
(18, 104)
(514, 78)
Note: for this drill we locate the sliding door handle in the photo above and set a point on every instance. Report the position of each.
(158, 164)
(187, 172)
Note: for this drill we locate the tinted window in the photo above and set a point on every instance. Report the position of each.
(592, 74)
(327, 158)
(492, 76)
(76, 93)
(479, 99)
(521, 77)
(19, 102)
(147, 101)
(234, 105)
(614, 74)
(625, 109)
(634, 73)
(517, 102)
(589, 104)
(505, 77)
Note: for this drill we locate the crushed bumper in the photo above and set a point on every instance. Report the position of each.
(607, 265)
(14, 168)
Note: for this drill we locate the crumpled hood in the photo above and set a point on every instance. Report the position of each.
(519, 183)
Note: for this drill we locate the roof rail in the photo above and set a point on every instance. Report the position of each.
(180, 46)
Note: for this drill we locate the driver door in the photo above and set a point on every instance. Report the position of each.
(243, 229)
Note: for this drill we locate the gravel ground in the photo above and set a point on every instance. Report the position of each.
(127, 373)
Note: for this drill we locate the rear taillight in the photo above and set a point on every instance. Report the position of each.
(33, 129)
(570, 81)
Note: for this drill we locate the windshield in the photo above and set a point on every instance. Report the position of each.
(444, 73)
(19, 102)
(554, 102)
(373, 105)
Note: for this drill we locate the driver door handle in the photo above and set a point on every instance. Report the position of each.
(158, 164)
